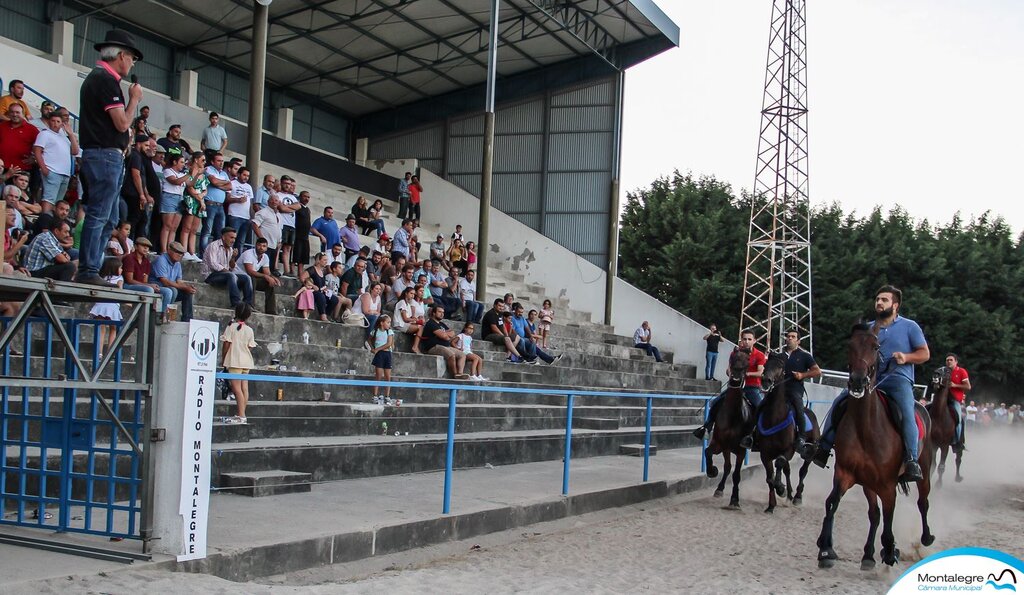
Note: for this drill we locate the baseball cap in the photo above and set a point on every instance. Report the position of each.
(384, 237)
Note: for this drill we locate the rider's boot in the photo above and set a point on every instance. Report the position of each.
(821, 454)
(912, 471)
(701, 431)
(802, 447)
(747, 441)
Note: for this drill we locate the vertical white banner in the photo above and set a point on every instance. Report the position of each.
(196, 434)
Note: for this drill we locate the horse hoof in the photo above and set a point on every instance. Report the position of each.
(959, 479)
(734, 506)
(893, 559)
(867, 564)
(798, 501)
(927, 540)
(779, 491)
(827, 558)
(769, 510)
(718, 493)
(712, 472)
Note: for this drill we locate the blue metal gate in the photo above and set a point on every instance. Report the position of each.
(72, 420)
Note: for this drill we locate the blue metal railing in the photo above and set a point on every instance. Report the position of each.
(453, 391)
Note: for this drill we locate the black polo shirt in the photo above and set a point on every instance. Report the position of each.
(100, 93)
(799, 361)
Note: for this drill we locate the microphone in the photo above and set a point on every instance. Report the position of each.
(134, 79)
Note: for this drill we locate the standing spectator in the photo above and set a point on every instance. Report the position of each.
(326, 228)
(194, 205)
(713, 338)
(415, 192)
(54, 149)
(642, 340)
(547, 316)
(304, 300)
(464, 343)
(349, 236)
(300, 252)
(17, 138)
(167, 270)
(471, 254)
(16, 96)
(366, 219)
(403, 195)
(103, 129)
(171, 192)
(138, 202)
(266, 224)
(173, 144)
(219, 268)
(216, 197)
(467, 292)
(972, 414)
(47, 258)
(239, 203)
(136, 269)
(239, 340)
(262, 195)
(437, 340)
(381, 340)
(289, 203)
(457, 234)
(400, 247)
(215, 137)
(154, 172)
(255, 263)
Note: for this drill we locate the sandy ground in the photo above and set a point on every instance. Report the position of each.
(683, 544)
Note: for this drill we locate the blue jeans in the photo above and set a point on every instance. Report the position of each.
(900, 389)
(530, 351)
(212, 225)
(243, 226)
(103, 170)
(751, 393)
(474, 311)
(166, 294)
(711, 357)
(650, 349)
(239, 286)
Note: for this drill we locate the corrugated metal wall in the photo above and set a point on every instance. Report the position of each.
(24, 22)
(553, 161)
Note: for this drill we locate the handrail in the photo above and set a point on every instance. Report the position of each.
(74, 116)
(453, 389)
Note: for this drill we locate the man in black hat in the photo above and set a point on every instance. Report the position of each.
(103, 135)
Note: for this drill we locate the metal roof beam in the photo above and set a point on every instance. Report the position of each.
(582, 26)
(483, 27)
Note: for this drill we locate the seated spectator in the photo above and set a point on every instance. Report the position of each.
(316, 273)
(400, 245)
(326, 228)
(167, 270)
(332, 288)
(409, 316)
(377, 212)
(352, 281)
(54, 149)
(364, 253)
(47, 257)
(374, 266)
(467, 294)
(391, 271)
(456, 256)
(495, 332)
(61, 210)
(529, 348)
(136, 268)
(337, 255)
(14, 240)
(219, 268)
(438, 252)
(451, 294)
(464, 343)
(369, 304)
(15, 96)
(17, 196)
(366, 219)
(642, 340)
(383, 244)
(255, 263)
(403, 282)
(437, 340)
(120, 240)
(350, 237)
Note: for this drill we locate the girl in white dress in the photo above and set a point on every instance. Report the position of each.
(111, 273)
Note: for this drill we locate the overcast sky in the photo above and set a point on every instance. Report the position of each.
(911, 102)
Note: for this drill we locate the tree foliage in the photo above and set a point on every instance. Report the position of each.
(683, 240)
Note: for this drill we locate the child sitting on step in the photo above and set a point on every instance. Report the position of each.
(464, 342)
(239, 339)
(110, 311)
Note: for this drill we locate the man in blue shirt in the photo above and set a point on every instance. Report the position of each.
(403, 195)
(529, 349)
(350, 236)
(901, 345)
(216, 194)
(167, 271)
(326, 228)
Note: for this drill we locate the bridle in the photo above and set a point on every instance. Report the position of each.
(861, 385)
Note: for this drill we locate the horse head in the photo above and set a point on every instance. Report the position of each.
(863, 360)
(739, 361)
(774, 370)
(940, 378)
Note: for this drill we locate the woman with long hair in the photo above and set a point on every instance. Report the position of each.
(194, 206)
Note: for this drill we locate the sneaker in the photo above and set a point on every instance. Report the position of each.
(242, 420)
(482, 378)
(512, 360)
(234, 419)
(231, 397)
(557, 357)
(531, 362)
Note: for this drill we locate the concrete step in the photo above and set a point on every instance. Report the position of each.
(636, 450)
(273, 482)
(597, 423)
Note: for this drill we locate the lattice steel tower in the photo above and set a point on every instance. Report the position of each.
(777, 281)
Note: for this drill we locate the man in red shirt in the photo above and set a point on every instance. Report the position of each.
(16, 139)
(751, 386)
(959, 383)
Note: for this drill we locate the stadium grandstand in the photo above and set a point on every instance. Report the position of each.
(355, 95)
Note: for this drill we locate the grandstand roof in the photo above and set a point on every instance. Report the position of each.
(368, 56)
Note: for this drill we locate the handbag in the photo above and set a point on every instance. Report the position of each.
(351, 318)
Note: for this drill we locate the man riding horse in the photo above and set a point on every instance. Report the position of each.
(751, 386)
(901, 346)
(959, 383)
(800, 365)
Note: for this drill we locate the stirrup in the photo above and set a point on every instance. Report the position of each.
(821, 456)
(747, 442)
(700, 432)
(912, 471)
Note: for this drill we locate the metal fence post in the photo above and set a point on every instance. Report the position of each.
(647, 437)
(568, 445)
(449, 452)
(704, 442)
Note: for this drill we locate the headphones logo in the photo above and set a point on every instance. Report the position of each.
(203, 344)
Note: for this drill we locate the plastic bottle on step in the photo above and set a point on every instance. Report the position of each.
(305, 337)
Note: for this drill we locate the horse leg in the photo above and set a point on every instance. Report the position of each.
(798, 498)
(709, 463)
(890, 555)
(924, 488)
(769, 473)
(780, 470)
(826, 555)
(942, 464)
(725, 473)
(874, 514)
(959, 455)
(734, 500)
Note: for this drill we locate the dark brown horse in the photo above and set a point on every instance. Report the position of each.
(869, 452)
(733, 421)
(776, 434)
(943, 433)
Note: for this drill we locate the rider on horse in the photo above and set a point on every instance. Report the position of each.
(751, 386)
(800, 365)
(901, 345)
(959, 383)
